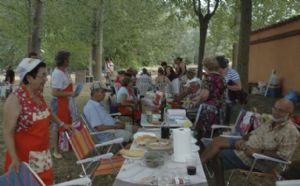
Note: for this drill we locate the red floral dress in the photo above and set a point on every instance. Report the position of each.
(32, 136)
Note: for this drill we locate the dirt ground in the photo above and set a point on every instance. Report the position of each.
(66, 168)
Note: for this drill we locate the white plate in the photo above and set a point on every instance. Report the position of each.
(193, 140)
(195, 148)
(138, 134)
(132, 158)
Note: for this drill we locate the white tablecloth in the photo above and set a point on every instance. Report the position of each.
(135, 173)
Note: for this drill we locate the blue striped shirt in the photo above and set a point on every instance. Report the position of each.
(232, 75)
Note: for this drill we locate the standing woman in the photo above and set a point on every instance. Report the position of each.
(62, 92)
(173, 77)
(26, 129)
(212, 98)
(162, 82)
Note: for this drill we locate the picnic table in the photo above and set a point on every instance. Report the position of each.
(134, 172)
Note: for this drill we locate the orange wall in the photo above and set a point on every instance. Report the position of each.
(282, 55)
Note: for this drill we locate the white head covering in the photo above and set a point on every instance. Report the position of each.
(194, 80)
(27, 65)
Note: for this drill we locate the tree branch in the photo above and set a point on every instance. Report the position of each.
(195, 8)
(208, 16)
(208, 10)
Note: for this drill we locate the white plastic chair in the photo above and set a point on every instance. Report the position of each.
(27, 176)
(288, 183)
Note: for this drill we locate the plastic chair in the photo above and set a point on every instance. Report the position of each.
(245, 122)
(93, 132)
(288, 183)
(260, 157)
(26, 176)
(83, 145)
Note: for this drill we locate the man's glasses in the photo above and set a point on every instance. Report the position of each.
(280, 110)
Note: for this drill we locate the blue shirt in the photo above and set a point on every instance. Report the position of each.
(232, 75)
(96, 115)
(122, 91)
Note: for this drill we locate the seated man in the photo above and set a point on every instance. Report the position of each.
(100, 120)
(276, 138)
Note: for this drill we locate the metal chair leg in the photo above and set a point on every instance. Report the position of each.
(211, 174)
(229, 179)
(250, 171)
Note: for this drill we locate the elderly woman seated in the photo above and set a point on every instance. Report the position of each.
(192, 100)
(128, 102)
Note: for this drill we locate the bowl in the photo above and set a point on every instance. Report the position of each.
(154, 159)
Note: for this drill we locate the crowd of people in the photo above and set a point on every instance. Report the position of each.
(26, 131)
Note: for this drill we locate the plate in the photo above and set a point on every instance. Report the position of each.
(132, 158)
(195, 148)
(133, 153)
(138, 134)
(162, 144)
(193, 140)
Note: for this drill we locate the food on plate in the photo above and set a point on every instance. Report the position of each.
(133, 152)
(142, 140)
(161, 144)
(155, 122)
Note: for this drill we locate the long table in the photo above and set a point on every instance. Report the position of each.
(135, 173)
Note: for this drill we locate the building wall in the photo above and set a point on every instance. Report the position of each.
(281, 54)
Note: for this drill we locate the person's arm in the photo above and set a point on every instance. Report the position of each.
(236, 86)
(124, 101)
(60, 93)
(10, 124)
(59, 122)
(103, 127)
(236, 80)
(203, 95)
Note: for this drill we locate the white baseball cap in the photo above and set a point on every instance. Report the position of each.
(99, 86)
(194, 80)
(27, 65)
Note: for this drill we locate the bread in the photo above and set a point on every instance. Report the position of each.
(142, 140)
(133, 152)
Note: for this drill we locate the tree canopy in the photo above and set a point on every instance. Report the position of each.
(135, 33)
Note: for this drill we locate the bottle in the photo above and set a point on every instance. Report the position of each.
(162, 107)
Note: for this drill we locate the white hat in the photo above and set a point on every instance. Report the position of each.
(194, 80)
(27, 65)
(99, 86)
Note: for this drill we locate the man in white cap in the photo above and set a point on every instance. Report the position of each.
(100, 120)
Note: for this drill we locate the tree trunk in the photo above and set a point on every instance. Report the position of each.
(29, 25)
(203, 31)
(237, 19)
(35, 26)
(99, 41)
(244, 41)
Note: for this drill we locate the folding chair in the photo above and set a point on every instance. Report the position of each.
(235, 130)
(260, 157)
(26, 176)
(83, 146)
(245, 122)
(93, 132)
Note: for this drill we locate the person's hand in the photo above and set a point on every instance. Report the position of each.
(240, 144)
(67, 127)
(250, 151)
(15, 164)
(119, 126)
(75, 94)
